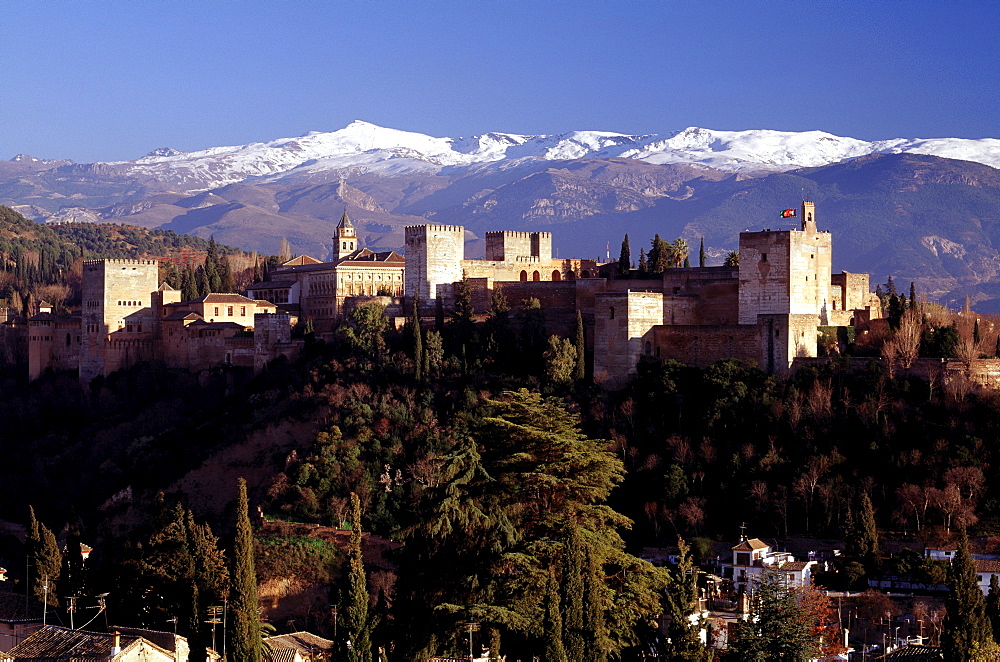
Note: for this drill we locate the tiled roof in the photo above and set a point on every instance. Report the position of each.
(914, 653)
(53, 643)
(165, 640)
(182, 315)
(306, 642)
(284, 655)
(272, 285)
(750, 545)
(987, 565)
(300, 260)
(14, 608)
(794, 566)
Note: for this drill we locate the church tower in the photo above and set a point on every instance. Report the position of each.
(346, 240)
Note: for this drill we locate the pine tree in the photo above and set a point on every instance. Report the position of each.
(245, 640)
(966, 628)
(357, 620)
(625, 259)
(555, 651)
(572, 597)
(581, 349)
(779, 627)
(701, 253)
(682, 604)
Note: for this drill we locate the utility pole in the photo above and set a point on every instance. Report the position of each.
(45, 605)
(71, 609)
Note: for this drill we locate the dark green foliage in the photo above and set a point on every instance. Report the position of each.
(573, 573)
(966, 627)
(581, 349)
(939, 342)
(416, 338)
(357, 623)
(913, 296)
(681, 604)
(365, 330)
(499, 336)
(701, 253)
(732, 259)
(864, 542)
(46, 560)
(643, 264)
(461, 328)
(993, 607)
(660, 256)
(555, 651)
(245, 641)
(594, 629)
(625, 259)
(560, 360)
(779, 627)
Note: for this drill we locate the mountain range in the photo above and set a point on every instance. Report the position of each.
(921, 210)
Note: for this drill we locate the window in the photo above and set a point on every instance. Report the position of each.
(763, 257)
(611, 312)
(216, 311)
(229, 311)
(243, 311)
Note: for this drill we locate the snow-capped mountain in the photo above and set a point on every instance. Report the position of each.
(362, 146)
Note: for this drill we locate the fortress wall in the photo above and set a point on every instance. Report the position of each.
(703, 345)
(621, 321)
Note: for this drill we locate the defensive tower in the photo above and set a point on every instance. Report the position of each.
(434, 256)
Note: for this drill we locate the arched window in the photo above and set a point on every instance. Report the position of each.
(556, 276)
(535, 276)
(524, 275)
(571, 275)
(585, 274)
(649, 348)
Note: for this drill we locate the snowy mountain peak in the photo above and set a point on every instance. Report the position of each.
(377, 149)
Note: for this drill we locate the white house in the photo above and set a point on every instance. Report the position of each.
(752, 556)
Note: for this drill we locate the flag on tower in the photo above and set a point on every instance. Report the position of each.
(787, 213)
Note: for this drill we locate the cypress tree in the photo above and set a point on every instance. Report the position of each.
(966, 628)
(993, 607)
(358, 630)
(701, 253)
(625, 259)
(682, 603)
(201, 282)
(643, 267)
(687, 262)
(245, 639)
(439, 313)
(226, 280)
(418, 345)
(581, 349)
(258, 275)
(913, 296)
(867, 532)
(976, 337)
(45, 558)
(572, 585)
(555, 651)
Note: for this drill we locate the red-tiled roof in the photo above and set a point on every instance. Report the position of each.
(750, 545)
(53, 644)
(794, 566)
(987, 565)
(220, 297)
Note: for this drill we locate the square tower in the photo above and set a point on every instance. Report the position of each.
(434, 255)
(117, 299)
(786, 272)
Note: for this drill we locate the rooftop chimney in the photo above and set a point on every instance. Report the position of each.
(116, 647)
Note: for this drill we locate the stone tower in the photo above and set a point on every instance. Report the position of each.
(117, 299)
(346, 240)
(786, 272)
(434, 256)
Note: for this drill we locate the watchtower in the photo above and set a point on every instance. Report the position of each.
(117, 298)
(434, 256)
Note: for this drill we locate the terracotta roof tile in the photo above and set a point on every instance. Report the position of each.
(750, 545)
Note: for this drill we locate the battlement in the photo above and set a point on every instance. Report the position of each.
(414, 230)
(517, 234)
(123, 263)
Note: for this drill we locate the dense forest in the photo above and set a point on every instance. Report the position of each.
(513, 485)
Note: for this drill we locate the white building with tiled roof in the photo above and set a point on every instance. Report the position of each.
(751, 556)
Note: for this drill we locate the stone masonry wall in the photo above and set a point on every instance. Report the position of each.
(702, 345)
(434, 255)
(621, 321)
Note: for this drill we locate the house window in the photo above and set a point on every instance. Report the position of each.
(243, 311)
(216, 311)
(742, 558)
(229, 311)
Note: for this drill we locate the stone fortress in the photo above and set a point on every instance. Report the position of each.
(768, 310)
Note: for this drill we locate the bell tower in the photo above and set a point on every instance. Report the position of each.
(346, 240)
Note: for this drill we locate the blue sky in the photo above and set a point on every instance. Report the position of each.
(113, 80)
